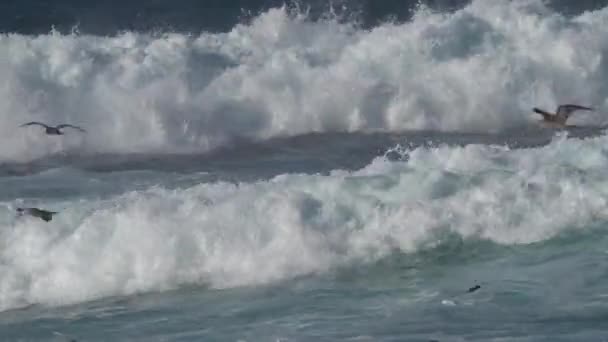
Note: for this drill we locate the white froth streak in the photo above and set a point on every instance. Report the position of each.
(478, 69)
(226, 235)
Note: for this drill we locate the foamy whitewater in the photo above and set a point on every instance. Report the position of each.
(308, 178)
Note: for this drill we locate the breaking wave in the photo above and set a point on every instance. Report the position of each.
(480, 68)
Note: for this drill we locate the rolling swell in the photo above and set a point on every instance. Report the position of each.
(479, 68)
(308, 153)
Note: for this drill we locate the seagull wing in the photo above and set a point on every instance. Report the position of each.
(546, 116)
(72, 126)
(34, 123)
(564, 111)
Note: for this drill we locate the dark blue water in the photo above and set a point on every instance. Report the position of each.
(112, 16)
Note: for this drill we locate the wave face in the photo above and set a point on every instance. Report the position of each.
(221, 234)
(480, 68)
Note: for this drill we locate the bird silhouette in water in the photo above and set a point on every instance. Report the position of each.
(35, 212)
(561, 115)
(474, 288)
(53, 130)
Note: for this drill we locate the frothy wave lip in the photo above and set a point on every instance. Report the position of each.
(226, 235)
(103, 19)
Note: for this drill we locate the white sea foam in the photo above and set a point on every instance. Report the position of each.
(478, 69)
(226, 235)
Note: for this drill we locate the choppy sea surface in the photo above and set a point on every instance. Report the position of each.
(307, 171)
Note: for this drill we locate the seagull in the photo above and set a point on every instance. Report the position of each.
(50, 130)
(40, 213)
(561, 114)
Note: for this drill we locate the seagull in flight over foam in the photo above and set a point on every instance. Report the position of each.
(50, 130)
(562, 113)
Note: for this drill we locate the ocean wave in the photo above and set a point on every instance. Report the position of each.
(226, 235)
(480, 68)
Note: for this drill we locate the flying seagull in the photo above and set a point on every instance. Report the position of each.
(50, 130)
(562, 113)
